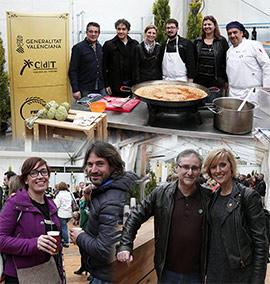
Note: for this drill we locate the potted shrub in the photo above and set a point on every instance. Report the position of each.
(5, 112)
(162, 11)
(195, 19)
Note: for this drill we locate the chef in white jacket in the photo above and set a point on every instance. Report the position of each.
(248, 65)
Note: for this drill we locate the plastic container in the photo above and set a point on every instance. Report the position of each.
(97, 106)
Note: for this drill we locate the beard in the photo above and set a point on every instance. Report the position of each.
(96, 181)
(172, 36)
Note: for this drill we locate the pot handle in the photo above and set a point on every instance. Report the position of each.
(256, 104)
(213, 111)
(125, 89)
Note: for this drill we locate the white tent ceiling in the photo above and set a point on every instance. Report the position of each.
(244, 150)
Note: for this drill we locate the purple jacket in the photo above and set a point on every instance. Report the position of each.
(20, 238)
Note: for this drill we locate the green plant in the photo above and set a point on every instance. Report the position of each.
(134, 190)
(195, 18)
(4, 91)
(151, 185)
(162, 12)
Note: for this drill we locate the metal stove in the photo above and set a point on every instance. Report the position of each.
(174, 117)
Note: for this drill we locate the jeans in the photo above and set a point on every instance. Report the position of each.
(95, 280)
(64, 229)
(169, 276)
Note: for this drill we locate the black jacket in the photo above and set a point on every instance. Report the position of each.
(261, 188)
(114, 56)
(106, 212)
(243, 231)
(220, 46)
(160, 204)
(186, 52)
(85, 68)
(147, 65)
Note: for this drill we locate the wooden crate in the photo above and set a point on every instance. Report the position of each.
(49, 128)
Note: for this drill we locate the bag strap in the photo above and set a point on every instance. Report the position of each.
(18, 219)
(72, 196)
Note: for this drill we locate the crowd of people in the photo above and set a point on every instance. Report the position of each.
(208, 60)
(200, 235)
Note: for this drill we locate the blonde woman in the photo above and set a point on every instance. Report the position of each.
(13, 185)
(238, 244)
(147, 52)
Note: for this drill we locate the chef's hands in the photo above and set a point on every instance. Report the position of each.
(47, 244)
(190, 80)
(77, 95)
(125, 256)
(109, 91)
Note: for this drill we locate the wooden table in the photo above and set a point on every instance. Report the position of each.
(47, 128)
(141, 270)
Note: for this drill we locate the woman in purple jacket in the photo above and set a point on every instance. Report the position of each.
(25, 220)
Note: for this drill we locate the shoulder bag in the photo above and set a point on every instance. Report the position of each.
(74, 204)
(42, 274)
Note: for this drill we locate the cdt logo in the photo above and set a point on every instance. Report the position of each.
(27, 63)
(46, 66)
(19, 42)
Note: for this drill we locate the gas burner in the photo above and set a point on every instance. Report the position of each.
(178, 117)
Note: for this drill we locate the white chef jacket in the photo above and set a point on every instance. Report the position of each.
(173, 67)
(248, 66)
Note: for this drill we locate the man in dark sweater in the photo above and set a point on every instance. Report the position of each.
(85, 69)
(105, 169)
(119, 53)
(180, 212)
(177, 55)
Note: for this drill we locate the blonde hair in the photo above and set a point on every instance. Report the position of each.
(13, 184)
(149, 27)
(215, 156)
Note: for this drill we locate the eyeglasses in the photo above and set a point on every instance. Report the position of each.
(170, 28)
(187, 168)
(92, 32)
(35, 173)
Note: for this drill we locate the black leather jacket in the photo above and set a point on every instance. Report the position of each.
(160, 204)
(243, 231)
(220, 46)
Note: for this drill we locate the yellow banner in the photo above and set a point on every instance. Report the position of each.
(38, 53)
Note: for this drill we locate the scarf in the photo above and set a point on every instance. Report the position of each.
(149, 47)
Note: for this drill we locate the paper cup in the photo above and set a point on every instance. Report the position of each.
(76, 229)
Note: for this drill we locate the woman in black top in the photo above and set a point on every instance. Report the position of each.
(147, 64)
(238, 243)
(210, 51)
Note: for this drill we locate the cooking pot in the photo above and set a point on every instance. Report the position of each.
(169, 104)
(228, 119)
